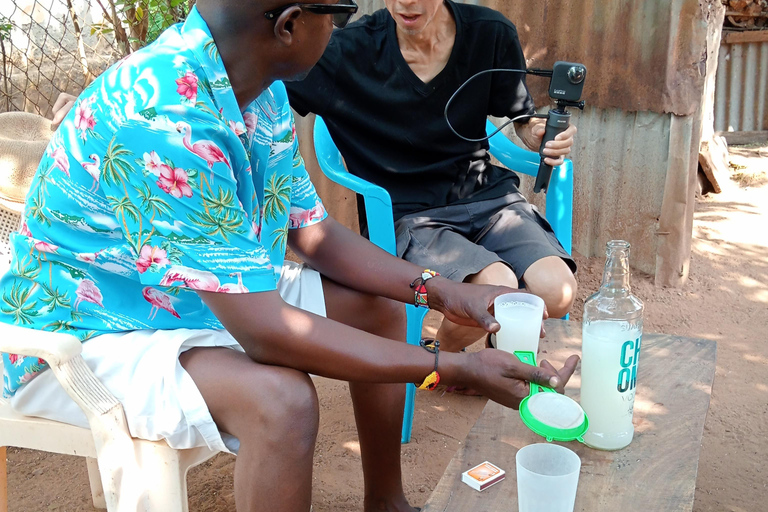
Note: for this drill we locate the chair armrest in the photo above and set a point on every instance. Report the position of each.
(62, 353)
(54, 347)
(511, 155)
(378, 204)
(332, 165)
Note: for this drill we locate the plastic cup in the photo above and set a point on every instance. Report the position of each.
(547, 478)
(519, 315)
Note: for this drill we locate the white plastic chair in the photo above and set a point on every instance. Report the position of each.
(126, 474)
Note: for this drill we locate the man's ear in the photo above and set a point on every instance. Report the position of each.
(285, 25)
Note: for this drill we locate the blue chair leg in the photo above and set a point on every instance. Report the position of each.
(415, 317)
(560, 205)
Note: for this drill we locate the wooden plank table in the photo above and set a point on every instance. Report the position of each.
(656, 472)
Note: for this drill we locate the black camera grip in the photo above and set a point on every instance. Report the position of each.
(557, 122)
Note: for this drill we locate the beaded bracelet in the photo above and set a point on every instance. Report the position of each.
(433, 379)
(420, 289)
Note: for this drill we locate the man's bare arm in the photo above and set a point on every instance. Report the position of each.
(273, 332)
(349, 259)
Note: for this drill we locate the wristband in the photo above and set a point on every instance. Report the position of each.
(433, 379)
(420, 298)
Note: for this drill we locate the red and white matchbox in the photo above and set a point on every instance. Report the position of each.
(483, 476)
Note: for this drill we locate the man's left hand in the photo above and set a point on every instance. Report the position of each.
(556, 150)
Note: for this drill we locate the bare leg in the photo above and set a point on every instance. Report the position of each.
(273, 411)
(378, 407)
(551, 279)
(454, 337)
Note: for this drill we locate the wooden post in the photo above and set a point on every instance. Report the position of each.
(3, 481)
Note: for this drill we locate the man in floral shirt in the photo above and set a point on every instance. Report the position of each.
(156, 230)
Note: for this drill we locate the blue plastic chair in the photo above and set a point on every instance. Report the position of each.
(381, 226)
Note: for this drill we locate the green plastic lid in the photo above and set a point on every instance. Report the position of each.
(549, 414)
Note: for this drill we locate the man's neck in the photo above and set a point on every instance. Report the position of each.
(247, 76)
(427, 52)
(441, 29)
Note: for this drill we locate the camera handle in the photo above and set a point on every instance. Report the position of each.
(558, 120)
(565, 87)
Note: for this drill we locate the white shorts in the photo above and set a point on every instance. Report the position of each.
(142, 370)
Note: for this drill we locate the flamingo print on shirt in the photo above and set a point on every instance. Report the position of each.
(205, 149)
(159, 300)
(60, 160)
(234, 288)
(192, 278)
(87, 291)
(93, 170)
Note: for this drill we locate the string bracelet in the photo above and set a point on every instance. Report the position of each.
(433, 379)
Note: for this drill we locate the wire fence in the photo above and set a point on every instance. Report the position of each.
(53, 46)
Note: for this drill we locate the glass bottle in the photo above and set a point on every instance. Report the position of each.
(611, 337)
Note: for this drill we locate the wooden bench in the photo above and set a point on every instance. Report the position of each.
(657, 472)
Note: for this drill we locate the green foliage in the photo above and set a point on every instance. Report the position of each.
(6, 25)
(140, 22)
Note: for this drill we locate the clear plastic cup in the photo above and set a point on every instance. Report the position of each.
(547, 478)
(519, 315)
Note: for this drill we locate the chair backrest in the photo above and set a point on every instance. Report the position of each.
(9, 222)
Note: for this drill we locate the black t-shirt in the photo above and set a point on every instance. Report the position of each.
(389, 125)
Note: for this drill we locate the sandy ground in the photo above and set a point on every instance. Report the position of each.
(726, 299)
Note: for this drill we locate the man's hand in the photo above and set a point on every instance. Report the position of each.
(503, 378)
(468, 304)
(61, 108)
(556, 150)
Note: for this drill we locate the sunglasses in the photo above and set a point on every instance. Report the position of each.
(340, 12)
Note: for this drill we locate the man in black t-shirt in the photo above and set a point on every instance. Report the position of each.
(382, 85)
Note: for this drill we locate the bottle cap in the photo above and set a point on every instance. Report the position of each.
(549, 414)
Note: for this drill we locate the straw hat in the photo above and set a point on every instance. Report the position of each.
(23, 139)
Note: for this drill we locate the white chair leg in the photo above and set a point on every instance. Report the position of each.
(97, 490)
(3, 481)
(165, 477)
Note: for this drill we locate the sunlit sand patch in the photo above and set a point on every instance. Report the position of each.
(649, 407)
(756, 359)
(352, 446)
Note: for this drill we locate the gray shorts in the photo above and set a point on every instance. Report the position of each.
(460, 240)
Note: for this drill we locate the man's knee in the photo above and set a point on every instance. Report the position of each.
(497, 273)
(284, 410)
(552, 280)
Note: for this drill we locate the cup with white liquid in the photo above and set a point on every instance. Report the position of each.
(520, 315)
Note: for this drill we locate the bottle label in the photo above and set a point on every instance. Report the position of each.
(630, 354)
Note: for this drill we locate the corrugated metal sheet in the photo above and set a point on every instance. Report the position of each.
(741, 103)
(645, 55)
(641, 55)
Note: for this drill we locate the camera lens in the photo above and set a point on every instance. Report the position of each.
(576, 74)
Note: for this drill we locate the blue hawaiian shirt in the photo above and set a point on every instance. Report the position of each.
(156, 185)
